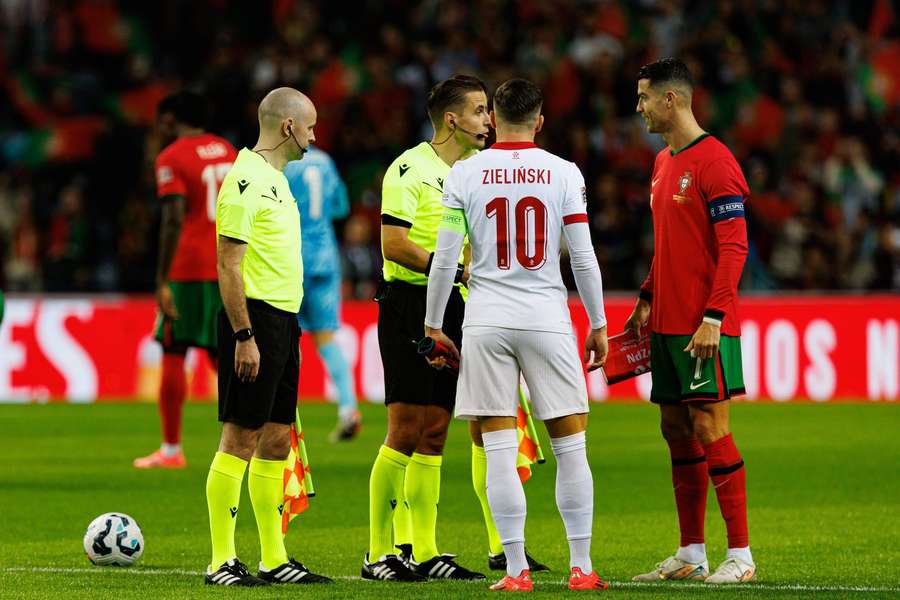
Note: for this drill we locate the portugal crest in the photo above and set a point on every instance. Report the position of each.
(684, 182)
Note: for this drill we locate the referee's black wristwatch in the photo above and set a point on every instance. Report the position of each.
(460, 269)
(242, 335)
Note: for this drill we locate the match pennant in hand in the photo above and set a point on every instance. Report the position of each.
(628, 356)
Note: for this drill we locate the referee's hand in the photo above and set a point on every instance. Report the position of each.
(246, 360)
(440, 337)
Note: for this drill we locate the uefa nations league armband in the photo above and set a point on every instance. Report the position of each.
(628, 356)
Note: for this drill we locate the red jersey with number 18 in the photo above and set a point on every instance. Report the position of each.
(697, 196)
(194, 167)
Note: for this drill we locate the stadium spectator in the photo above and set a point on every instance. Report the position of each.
(806, 93)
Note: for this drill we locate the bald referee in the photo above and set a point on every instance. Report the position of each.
(261, 282)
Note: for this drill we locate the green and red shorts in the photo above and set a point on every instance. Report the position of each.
(677, 377)
(198, 304)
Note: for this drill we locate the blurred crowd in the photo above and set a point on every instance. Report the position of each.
(805, 93)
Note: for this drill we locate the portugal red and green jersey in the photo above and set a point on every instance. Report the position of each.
(697, 196)
(193, 167)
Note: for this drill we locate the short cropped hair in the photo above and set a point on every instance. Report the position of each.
(450, 94)
(667, 70)
(187, 107)
(518, 101)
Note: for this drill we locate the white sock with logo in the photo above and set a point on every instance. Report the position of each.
(506, 496)
(575, 496)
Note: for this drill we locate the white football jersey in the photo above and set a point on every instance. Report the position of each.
(517, 198)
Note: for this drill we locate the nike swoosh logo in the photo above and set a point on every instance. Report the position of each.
(654, 182)
(694, 386)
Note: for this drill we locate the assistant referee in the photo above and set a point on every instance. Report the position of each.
(261, 282)
(419, 399)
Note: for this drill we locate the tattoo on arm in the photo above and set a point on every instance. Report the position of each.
(169, 233)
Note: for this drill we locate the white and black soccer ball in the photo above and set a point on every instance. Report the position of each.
(113, 539)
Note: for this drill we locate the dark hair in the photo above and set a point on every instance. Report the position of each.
(516, 101)
(188, 108)
(667, 70)
(449, 94)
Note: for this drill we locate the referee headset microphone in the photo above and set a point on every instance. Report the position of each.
(479, 136)
(293, 137)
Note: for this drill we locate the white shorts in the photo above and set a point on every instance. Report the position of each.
(493, 358)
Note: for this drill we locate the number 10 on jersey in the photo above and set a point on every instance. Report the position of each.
(531, 231)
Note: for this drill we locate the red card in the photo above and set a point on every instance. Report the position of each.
(628, 356)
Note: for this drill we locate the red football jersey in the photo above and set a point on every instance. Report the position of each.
(194, 167)
(697, 196)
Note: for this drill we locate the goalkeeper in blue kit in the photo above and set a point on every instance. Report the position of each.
(321, 198)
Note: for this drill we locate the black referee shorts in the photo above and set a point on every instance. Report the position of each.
(272, 397)
(401, 318)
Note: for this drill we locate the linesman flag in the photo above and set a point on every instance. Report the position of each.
(529, 446)
(297, 478)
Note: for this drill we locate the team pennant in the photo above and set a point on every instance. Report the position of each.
(628, 356)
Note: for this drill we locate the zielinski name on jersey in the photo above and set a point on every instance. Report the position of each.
(512, 176)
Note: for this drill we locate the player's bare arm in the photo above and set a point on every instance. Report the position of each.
(229, 253)
(398, 248)
(639, 317)
(169, 232)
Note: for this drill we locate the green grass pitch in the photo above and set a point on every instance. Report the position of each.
(824, 494)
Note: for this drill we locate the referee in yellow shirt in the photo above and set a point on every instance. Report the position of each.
(419, 399)
(261, 282)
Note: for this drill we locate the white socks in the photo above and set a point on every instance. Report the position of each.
(696, 553)
(692, 553)
(170, 450)
(575, 497)
(742, 554)
(506, 496)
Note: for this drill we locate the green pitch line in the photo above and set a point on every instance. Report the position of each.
(823, 496)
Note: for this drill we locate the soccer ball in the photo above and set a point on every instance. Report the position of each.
(113, 539)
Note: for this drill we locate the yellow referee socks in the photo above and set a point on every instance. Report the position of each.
(479, 482)
(423, 490)
(385, 492)
(402, 522)
(223, 492)
(267, 496)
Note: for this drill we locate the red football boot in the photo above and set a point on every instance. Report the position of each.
(522, 583)
(580, 581)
